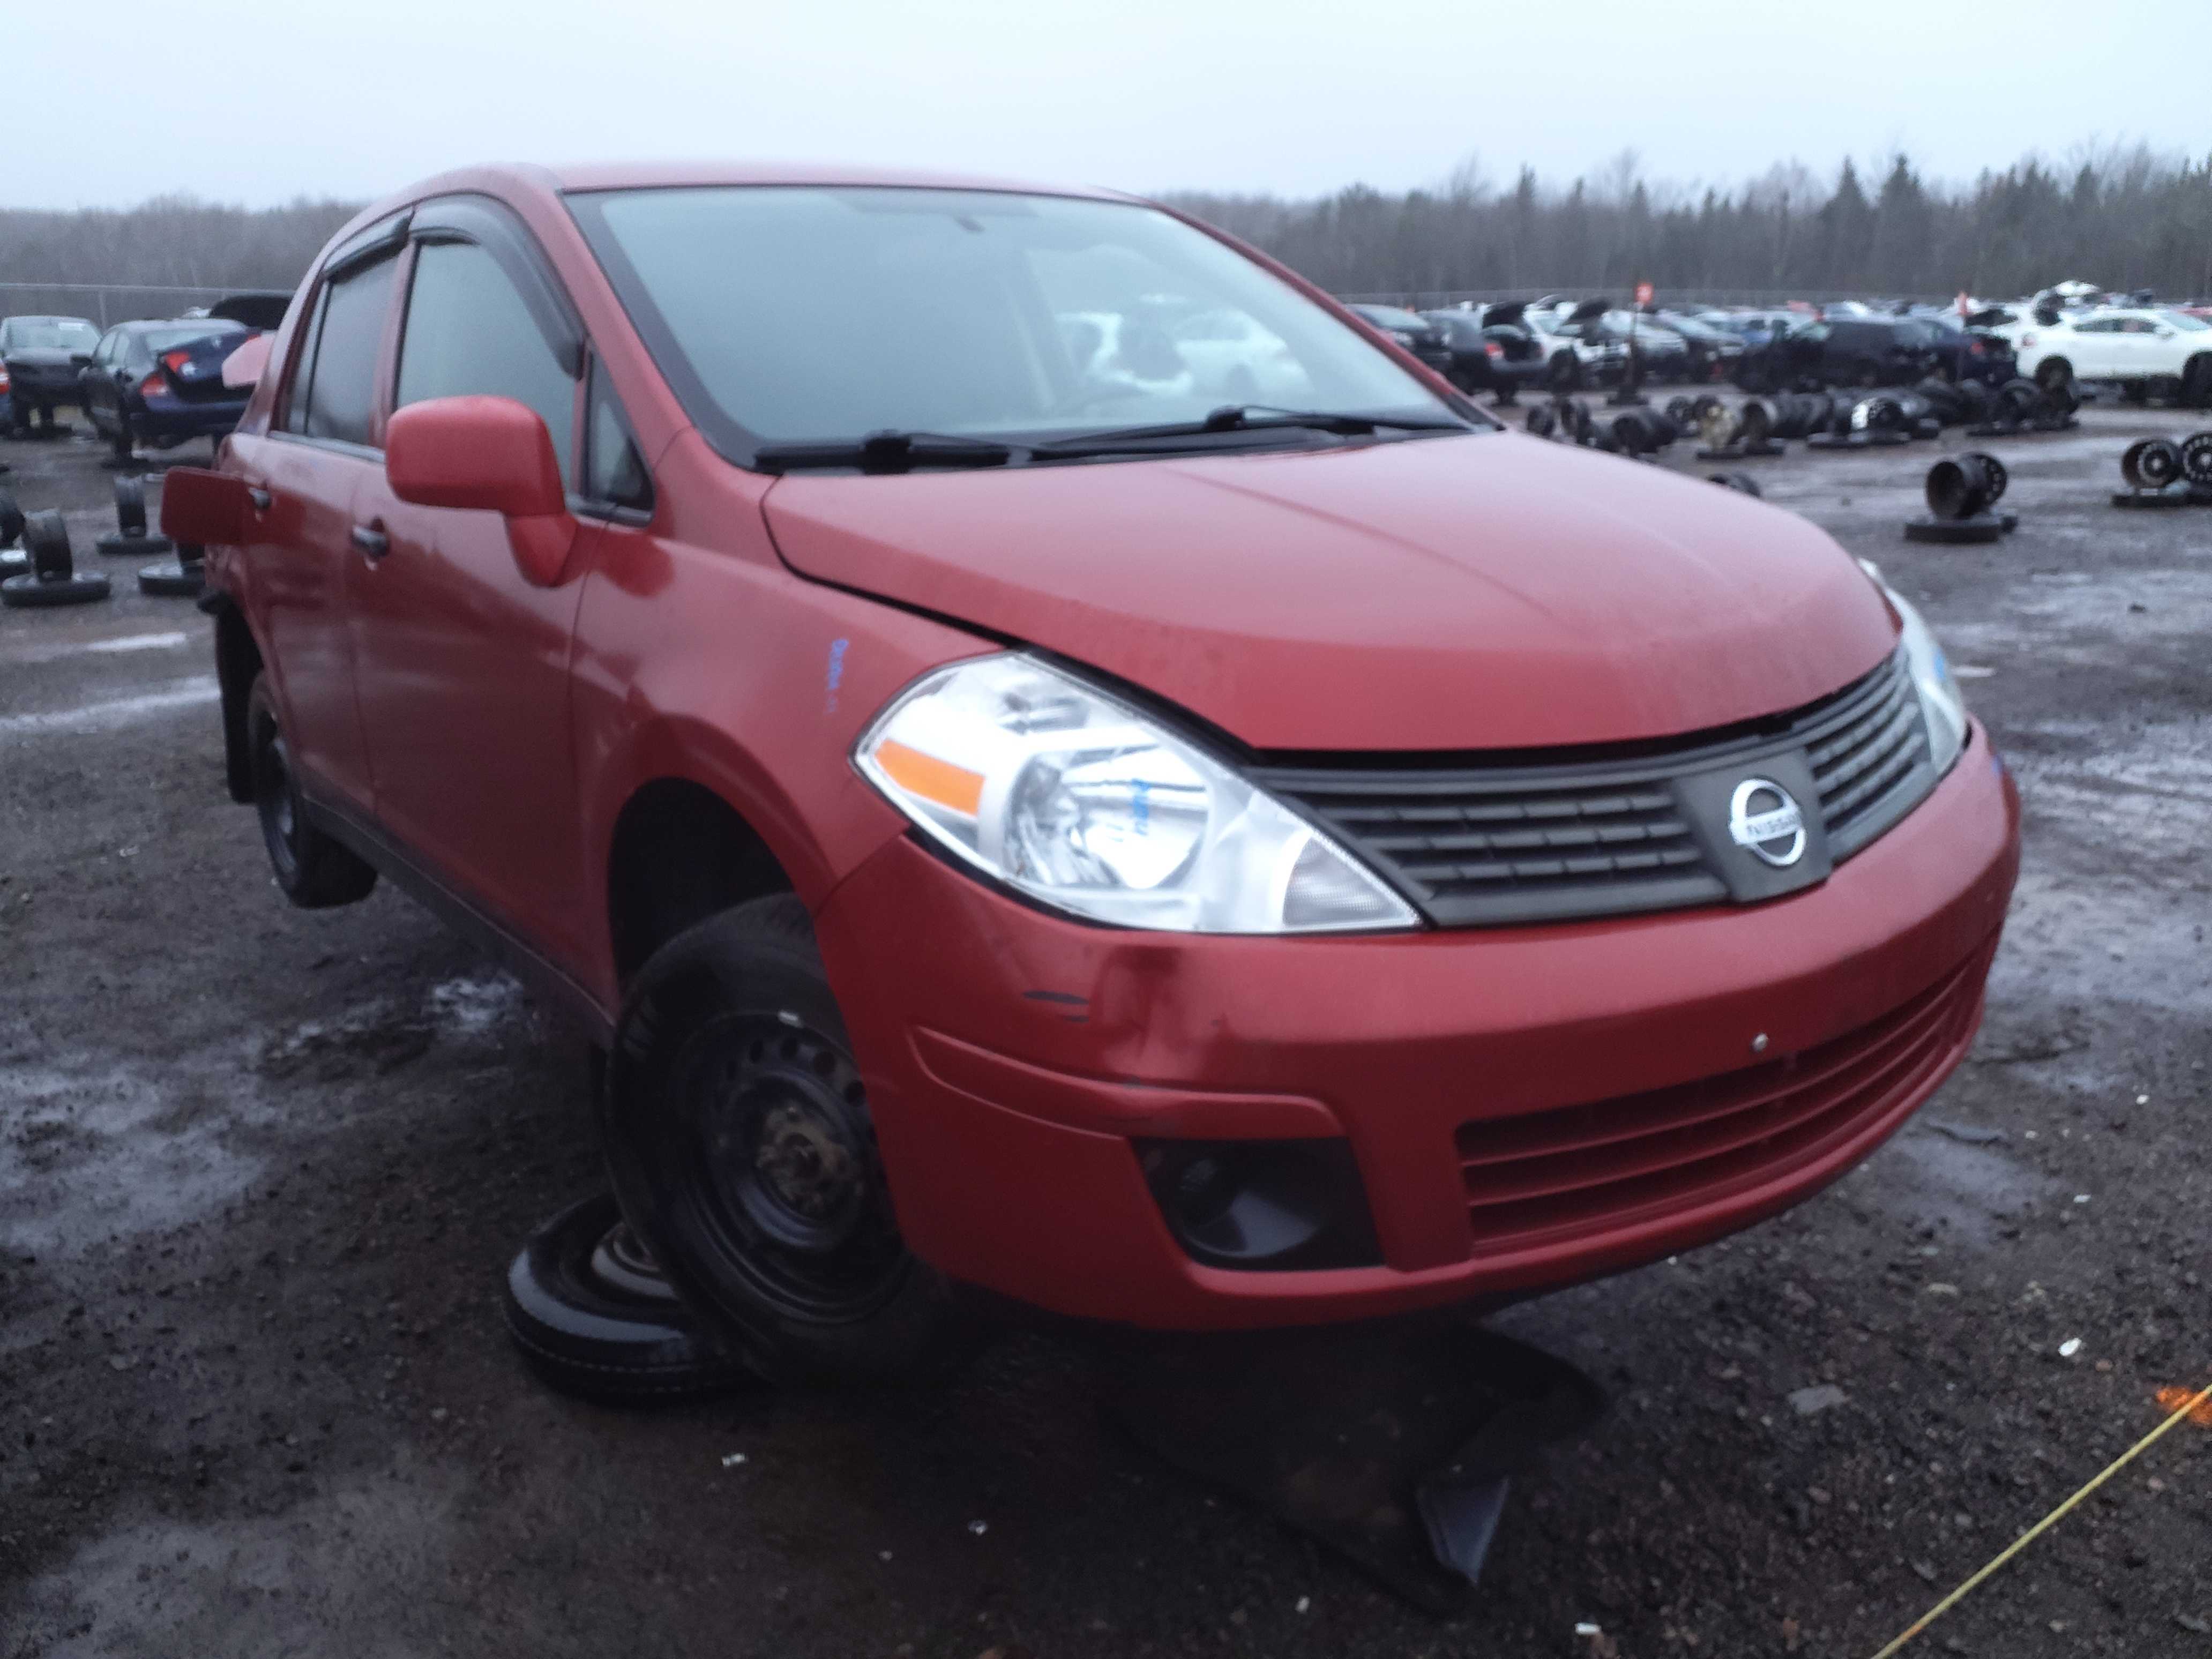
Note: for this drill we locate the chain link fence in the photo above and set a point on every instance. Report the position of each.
(103, 302)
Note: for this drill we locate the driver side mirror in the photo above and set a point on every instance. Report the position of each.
(488, 455)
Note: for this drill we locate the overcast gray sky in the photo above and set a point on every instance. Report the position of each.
(270, 99)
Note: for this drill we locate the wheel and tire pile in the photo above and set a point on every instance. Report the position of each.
(52, 578)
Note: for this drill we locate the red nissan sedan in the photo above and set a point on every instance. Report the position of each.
(1054, 759)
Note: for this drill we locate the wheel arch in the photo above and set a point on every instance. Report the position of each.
(680, 852)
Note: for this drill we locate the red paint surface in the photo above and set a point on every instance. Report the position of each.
(496, 716)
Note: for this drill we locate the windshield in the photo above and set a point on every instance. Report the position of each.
(49, 334)
(2183, 320)
(791, 314)
(161, 339)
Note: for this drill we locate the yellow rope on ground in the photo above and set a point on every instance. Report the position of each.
(2048, 1521)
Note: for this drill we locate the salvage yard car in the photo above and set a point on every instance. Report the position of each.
(161, 384)
(42, 355)
(2146, 352)
(1491, 351)
(1418, 335)
(1852, 351)
(1172, 863)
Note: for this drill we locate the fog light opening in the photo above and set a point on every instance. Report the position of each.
(1263, 1205)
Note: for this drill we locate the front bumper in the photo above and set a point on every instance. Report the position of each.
(1013, 1056)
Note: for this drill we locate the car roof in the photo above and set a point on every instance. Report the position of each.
(511, 180)
(529, 178)
(635, 175)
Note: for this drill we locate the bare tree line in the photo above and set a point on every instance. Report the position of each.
(171, 241)
(2123, 218)
(2126, 218)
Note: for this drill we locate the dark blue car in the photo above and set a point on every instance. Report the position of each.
(161, 384)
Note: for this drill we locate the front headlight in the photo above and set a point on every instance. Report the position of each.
(1085, 805)
(1940, 701)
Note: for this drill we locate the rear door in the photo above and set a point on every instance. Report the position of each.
(2137, 352)
(462, 664)
(2089, 346)
(304, 474)
(100, 395)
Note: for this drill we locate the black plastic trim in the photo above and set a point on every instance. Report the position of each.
(1601, 805)
(495, 229)
(386, 236)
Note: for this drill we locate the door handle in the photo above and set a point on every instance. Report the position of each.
(374, 544)
(261, 497)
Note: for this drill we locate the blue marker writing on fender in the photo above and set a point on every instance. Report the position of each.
(837, 675)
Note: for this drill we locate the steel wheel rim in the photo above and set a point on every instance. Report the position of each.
(781, 1176)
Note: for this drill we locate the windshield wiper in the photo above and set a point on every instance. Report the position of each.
(887, 452)
(1237, 417)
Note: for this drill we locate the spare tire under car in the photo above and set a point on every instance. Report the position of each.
(593, 1318)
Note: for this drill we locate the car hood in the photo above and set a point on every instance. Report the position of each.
(1486, 591)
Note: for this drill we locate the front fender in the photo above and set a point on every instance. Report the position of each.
(734, 673)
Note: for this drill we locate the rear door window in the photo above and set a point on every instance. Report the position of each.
(341, 386)
(469, 332)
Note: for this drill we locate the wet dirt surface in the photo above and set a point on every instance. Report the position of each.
(260, 1170)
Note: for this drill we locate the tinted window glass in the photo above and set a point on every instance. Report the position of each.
(614, 471)
(295, 417)
(341, 392)
(468, 333)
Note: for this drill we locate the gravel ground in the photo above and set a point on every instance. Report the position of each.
(260, 1170)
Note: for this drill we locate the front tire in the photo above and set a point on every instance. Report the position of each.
(315, 872)
(738, 1139)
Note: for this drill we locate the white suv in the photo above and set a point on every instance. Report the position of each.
(2145, 350)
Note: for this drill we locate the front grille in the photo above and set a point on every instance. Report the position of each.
(1482, 844)
(1610, 1163)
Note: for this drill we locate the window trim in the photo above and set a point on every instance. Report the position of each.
(492, 226)
(581, 501)
(352, 260)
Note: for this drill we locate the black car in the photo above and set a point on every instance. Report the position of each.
(1868, 351)
(1971, 348)
(1413, 332)
(159, 384)
(42, 355)
(1713, 351)
(1491, 351)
